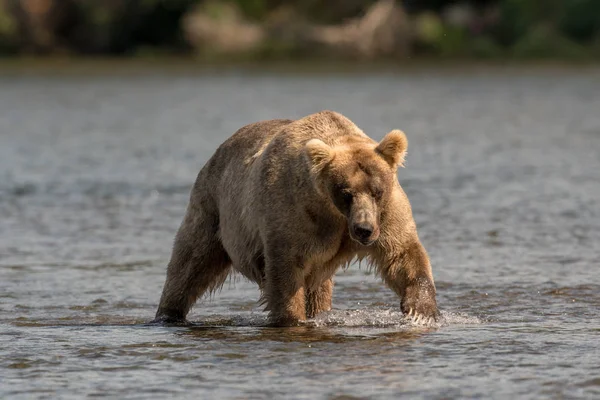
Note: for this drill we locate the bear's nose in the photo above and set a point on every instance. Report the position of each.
(363, 231)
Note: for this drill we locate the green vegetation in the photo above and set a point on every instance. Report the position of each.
(278, 29)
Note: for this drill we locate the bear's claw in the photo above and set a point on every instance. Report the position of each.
(419, 302)
(420, 319)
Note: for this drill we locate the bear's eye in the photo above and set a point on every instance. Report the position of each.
(377, 194)
(347, 197)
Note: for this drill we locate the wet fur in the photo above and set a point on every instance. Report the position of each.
(265, 206)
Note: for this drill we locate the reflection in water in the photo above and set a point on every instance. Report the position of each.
(502, 173)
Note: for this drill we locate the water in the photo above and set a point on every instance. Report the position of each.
(503, 171)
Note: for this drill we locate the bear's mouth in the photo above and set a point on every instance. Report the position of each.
(365, 241)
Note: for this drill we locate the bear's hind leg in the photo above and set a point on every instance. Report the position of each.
(199, 263)
(319, 300)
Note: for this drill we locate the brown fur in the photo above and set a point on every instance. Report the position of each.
(286, 203)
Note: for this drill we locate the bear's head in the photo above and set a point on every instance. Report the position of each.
(359, 178)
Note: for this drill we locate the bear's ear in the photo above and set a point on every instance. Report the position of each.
(393, 148)
(318, 153)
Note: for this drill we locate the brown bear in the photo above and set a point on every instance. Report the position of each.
(288, 202)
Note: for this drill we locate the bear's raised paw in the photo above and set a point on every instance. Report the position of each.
(419, 303)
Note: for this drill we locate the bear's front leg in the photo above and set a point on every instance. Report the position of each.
(284, 289)
(409, 275)
(319, 299)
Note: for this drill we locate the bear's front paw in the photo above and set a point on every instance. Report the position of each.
(284, 321)
(166, 320)
(419, 301)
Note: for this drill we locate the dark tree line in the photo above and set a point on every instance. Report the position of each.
(476, 28)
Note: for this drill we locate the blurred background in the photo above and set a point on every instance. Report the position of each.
(279, 29)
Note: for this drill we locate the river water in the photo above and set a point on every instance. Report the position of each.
(503, 171)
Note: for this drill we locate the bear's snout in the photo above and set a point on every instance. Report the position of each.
(362, 221)
(364, 233)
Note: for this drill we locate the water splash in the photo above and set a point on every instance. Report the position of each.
(458, 318)
(363, 318)
(382, 317)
